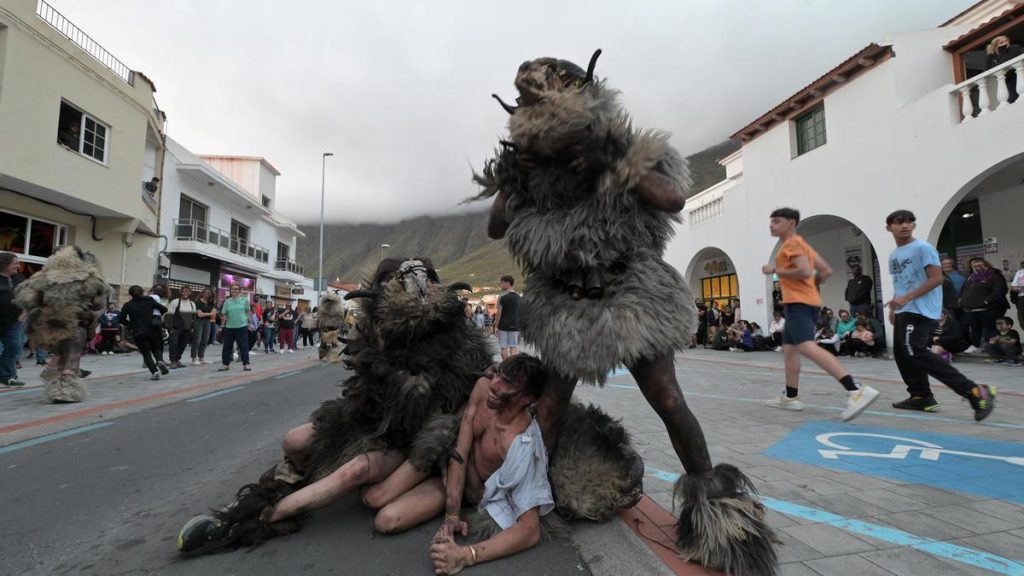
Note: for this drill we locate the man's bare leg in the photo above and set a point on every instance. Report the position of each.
(791, 360)
(363, 469)
(296, 444)
(657, 381)
(424, 501)
(404, 478)
(823, 359)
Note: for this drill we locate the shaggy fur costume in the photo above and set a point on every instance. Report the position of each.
(64, 301)
(579, 205)
(415, 361)
(572, 228)
(331, 322)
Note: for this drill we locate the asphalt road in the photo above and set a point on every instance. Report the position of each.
(110, 500)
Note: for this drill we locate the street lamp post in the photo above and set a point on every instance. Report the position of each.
(382, 247)
(323, 187)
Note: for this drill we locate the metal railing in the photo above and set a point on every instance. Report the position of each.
(58, 22)
(199, 231)
(288, 266)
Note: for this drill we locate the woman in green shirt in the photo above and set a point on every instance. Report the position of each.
(235, 311)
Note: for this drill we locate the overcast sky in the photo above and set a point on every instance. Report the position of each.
(400, 91)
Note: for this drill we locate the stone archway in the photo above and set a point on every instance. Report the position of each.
(843, 245)
(712, 276)
(982, 218)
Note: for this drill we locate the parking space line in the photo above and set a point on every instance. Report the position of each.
(962, 554)
(215, 394)
(56, 436)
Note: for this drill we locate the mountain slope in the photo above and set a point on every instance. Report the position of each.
(458, 245)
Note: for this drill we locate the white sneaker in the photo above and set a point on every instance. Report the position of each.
(973, 350)
(777, 349)
(291, 351)
(786, 403)
(857, 401)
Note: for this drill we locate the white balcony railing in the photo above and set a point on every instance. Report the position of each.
(287, 265)
(989, 91)
(199, 231)
(58, 22)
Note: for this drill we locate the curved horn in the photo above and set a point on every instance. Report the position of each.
(590, 67)
(460, 286)
(362, 294)
(508, 108)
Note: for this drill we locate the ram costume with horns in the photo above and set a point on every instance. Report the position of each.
(63, 302)
(415, 361)
(586, 203)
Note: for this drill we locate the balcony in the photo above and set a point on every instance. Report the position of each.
(286, 265)
(989, 91)
(216, 242)
(58, 22)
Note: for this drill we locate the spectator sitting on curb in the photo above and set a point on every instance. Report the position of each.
(1004, 347)
(948, 337)
(828, 340)
(876, 346)
(845, 325)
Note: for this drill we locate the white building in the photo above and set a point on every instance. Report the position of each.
(899, 125)
(82, 136)
(218, 215)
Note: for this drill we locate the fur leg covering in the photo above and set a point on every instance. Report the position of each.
(65, 389)
(244, 521)
(595, 472)
(721, 524)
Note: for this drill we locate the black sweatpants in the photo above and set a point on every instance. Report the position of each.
(916, 361)
(151, 347)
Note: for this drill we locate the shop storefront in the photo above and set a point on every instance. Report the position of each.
(228, 278)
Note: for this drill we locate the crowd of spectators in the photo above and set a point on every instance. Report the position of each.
(974, 319)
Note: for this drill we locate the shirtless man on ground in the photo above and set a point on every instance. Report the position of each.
(496, 428)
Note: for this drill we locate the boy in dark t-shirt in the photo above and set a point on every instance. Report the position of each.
(1004, 347)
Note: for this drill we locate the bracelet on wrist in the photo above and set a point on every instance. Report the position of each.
(472, 552)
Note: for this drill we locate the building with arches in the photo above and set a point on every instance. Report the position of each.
(912, 122)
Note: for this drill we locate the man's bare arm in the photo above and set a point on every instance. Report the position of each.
(661, 192)
(498, 224)
(455, 478)
(449, 557)
(823, 269)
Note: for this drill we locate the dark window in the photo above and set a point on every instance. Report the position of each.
(43, 240)
(239, 237)
(189, 209)
(82, 133)
(13, 232)
(810, 130)
(282, 251)
(266, 201)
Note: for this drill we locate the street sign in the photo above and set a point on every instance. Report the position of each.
(962, 463)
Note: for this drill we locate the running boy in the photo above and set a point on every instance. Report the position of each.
(796, 264)
(917, 306)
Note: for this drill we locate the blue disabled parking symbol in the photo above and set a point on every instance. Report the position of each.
(974, 465)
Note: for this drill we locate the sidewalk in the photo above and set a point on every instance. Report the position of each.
(880, 501)
(120, 384)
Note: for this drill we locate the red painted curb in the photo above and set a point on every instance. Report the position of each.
(657, 528)
(92, 410)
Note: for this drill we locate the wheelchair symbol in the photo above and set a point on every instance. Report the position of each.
(902, 449)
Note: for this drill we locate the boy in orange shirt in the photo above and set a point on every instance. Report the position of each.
(796, 264)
